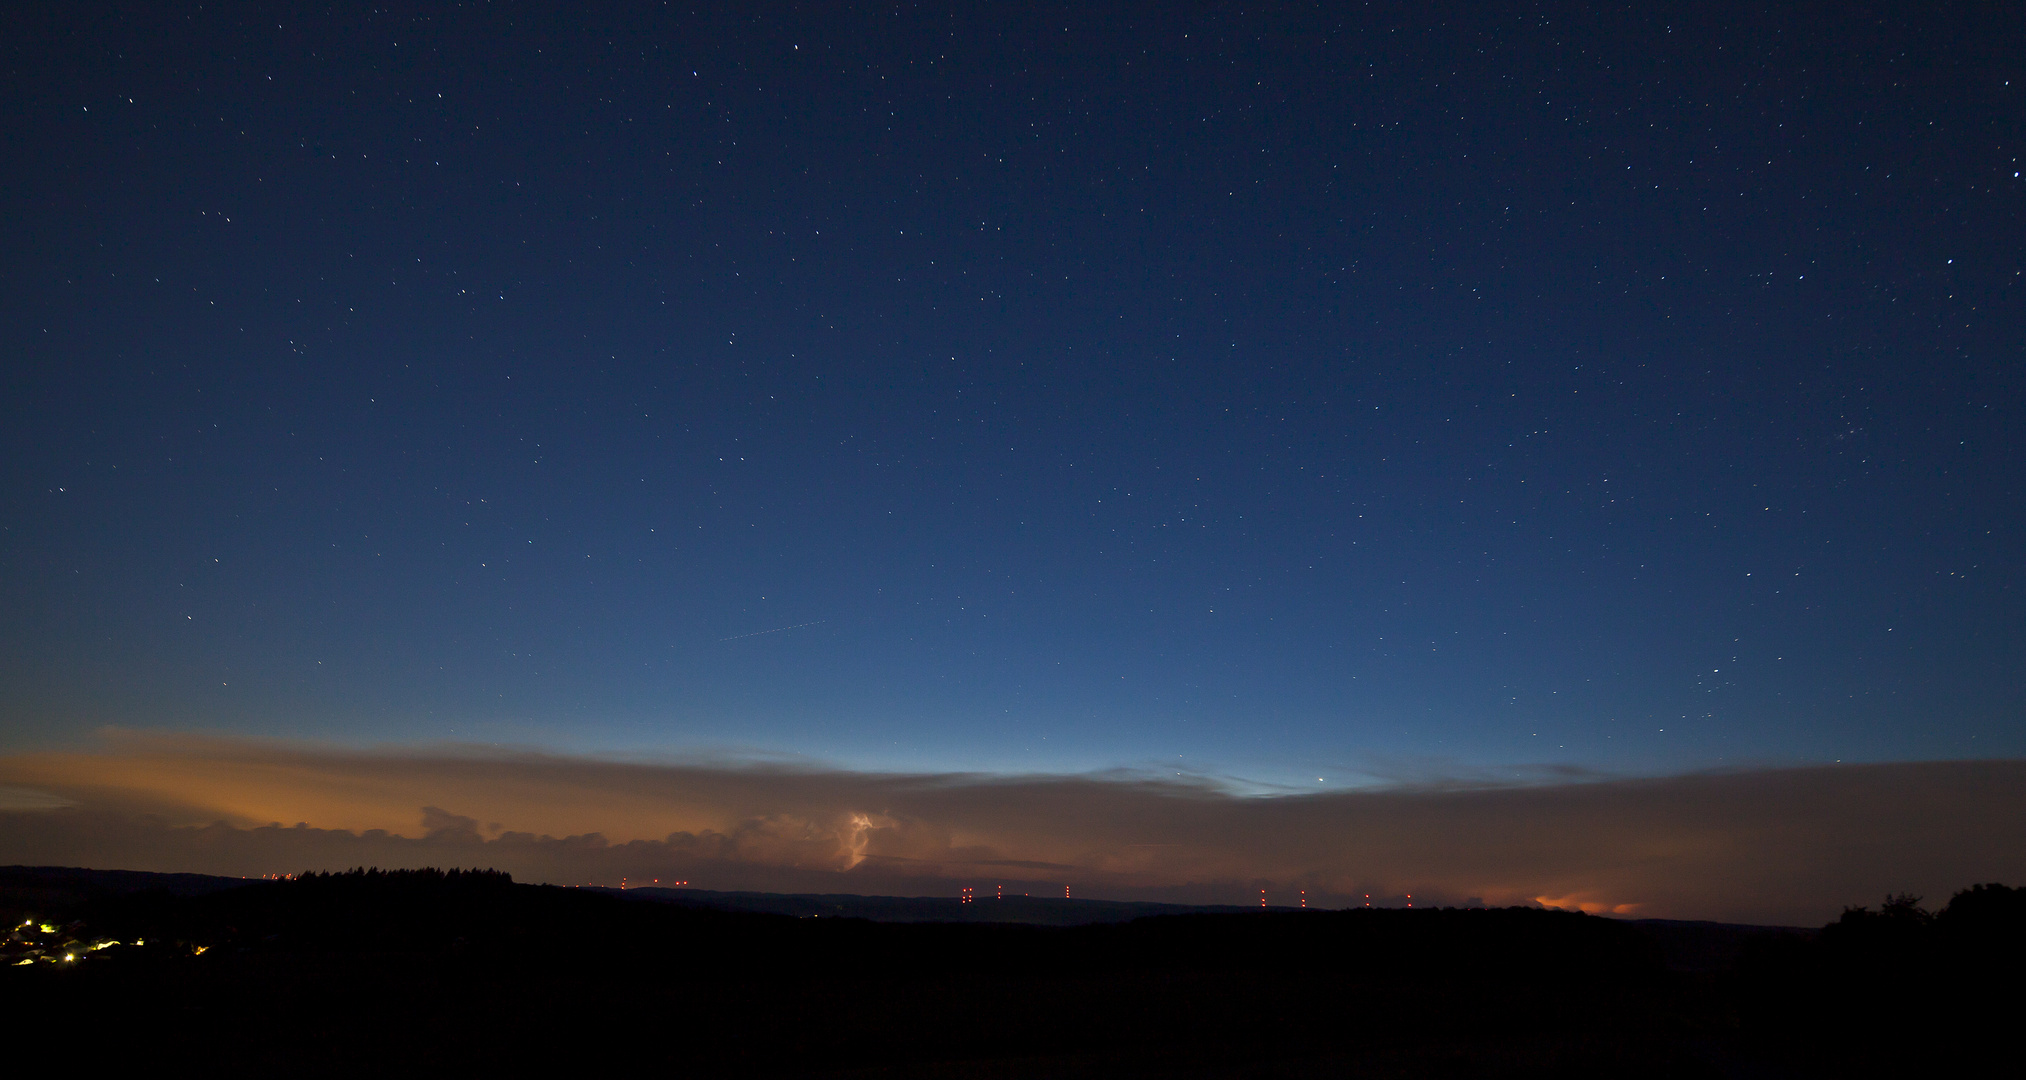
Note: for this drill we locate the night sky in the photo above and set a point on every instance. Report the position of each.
(1303, 396)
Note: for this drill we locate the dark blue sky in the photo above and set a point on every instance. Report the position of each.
(1283, 393)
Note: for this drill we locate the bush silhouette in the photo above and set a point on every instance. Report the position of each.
(1894, 989)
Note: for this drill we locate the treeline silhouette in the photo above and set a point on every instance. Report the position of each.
(465, 970)
(1896, 989)
(425, 878)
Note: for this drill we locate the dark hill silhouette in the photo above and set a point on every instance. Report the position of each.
(434, 912)
(1036, 910)
(411, 971)
(64, 887)
(1897, 989)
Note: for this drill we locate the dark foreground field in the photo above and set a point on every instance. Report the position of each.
(415, 972)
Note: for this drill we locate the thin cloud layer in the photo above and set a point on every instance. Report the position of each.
(1776, 846)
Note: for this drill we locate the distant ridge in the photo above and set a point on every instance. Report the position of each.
(1028, 910)
(75, 884)
(1687, 944)
(67, 885)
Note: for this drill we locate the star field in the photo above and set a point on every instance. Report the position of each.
(1296, 395)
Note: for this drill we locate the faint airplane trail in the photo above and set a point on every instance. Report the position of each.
(775, 630)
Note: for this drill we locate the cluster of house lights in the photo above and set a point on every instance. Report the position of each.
(35, 942)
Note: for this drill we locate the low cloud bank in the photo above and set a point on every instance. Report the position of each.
(1770, 846)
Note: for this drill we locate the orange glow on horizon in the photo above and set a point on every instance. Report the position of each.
(1577, 902)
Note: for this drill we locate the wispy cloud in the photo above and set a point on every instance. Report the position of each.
(1777, 845)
